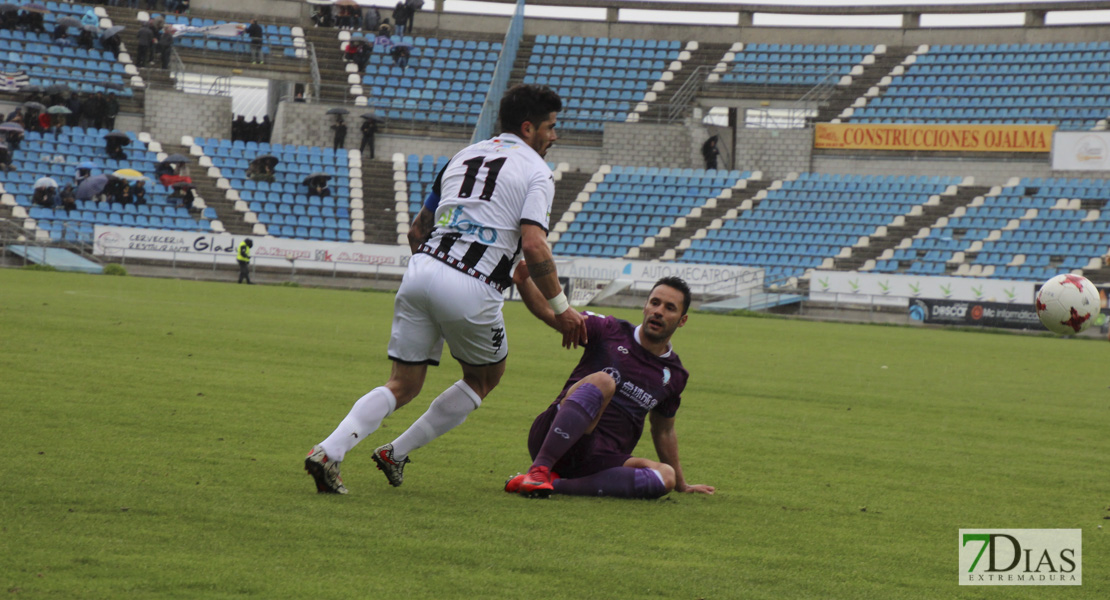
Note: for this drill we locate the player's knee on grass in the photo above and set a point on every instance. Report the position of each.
(667, 472)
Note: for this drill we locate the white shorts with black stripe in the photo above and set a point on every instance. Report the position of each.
(435, 303)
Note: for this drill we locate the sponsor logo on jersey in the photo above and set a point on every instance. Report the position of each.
(666, 375)
(458, 220)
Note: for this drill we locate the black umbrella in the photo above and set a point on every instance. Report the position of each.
(109, 32)
(268, 159)
(184, 185)
(175, 158)
(39, 106)
(57, 88)
(372, 117)
(338, 111)
(315, 175)
(32, 89)
(118, 135)
(8, 7)
(35, 7)
(12, 126)
(92, 186)
(70, 22)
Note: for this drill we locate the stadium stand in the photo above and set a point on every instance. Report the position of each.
(445, 82)
(794, 64)
(600, 79)
(1065, 84)
(284, 206)
(57, 158)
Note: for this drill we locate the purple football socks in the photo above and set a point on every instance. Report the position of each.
(618, 482)
(577, 411)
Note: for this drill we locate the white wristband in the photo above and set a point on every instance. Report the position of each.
(559, 303)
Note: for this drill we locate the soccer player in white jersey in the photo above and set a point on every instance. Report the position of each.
(489, 204)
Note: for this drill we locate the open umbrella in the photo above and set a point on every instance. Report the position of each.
(373, 117)
(87, 164)
(109, 32)
(57, 88)
(267, 159)
(58, 110)
(32, 89)
(130, 175)
(315, 175)
(118, 135)
(175, 159)
(8, 7)
(346, 3)
(338, 111)
(45, 182)
(69, 22)
(92, 186)
(11, 126)
(34, 106)
(35, 7)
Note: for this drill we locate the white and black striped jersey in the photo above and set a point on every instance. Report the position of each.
(480, 199)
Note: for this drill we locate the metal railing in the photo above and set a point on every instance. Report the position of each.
(314, 66)
(500, 82)
(686, 94)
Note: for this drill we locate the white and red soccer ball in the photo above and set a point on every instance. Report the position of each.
(1067, 304)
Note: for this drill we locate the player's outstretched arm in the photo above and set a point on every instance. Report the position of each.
(421, 229)
(541, 269)
(666, 446)
(531, 295)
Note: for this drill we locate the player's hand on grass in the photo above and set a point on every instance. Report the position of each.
(573, 327)
(698, 488)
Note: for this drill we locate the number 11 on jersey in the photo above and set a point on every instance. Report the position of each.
(473, 165)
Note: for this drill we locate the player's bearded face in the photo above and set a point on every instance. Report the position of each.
(662, 314)
(541, 137)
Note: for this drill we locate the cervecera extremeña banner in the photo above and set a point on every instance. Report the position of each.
(946, 138)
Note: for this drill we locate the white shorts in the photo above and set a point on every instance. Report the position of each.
(436, 303)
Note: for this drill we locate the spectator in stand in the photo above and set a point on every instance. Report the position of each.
(340, 129)
(73, 103)
(83, 173)
(90, 19)
(45, 121)
(411, 6)
(182, 7)
(57, 122)
(318, 185)
(184, 193)
(146, 44)
(111, 110)
(265, 128)
(138, 192)
(237, 127)
(710, 152)
(255, 33)
(45, 196)
(362, 58)
(400, 54)
(60, 36)
(261, 169)
(33, 21)
(112, 44)
(371, 18)
(385, 30)
(67, 199)
(85, 39)
(96, 110)
(165, 46)
(6, 158)
(14, 138)
(114, 191)
(369, 128)
(350, 51)
(400, 16)
(113, 147)
(322, 16)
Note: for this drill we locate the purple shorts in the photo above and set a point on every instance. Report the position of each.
(590, 454)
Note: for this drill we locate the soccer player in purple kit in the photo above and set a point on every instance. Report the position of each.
(581, 445)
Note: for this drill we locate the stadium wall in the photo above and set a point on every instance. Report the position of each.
(776, 152)
(171, 114)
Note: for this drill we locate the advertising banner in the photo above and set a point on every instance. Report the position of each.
(895, 290)
(209, 248)
(1081, 151)
(975, 314)
(643, 274)
(947, 137)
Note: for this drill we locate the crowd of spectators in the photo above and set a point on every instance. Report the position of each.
(366, 18)
(154, 42)
(253, 130)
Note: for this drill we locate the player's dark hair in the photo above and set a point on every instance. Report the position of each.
(678, 284)
(532, 103)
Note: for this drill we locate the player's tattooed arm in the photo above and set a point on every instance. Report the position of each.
(542, 268)
(421, 229)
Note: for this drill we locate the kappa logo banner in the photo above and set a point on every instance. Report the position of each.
(1021, 557)
(946, 138)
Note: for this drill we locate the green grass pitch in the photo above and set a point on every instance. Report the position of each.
(153, 433)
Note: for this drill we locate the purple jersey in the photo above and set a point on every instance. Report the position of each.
(645, 382)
